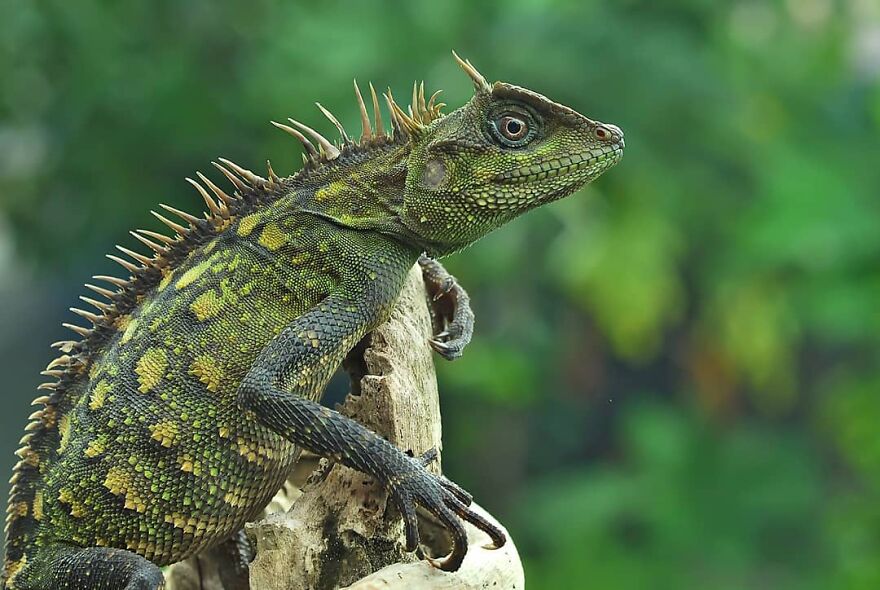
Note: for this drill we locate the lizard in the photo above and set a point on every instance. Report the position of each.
(178, 413)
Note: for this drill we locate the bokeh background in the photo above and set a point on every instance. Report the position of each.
(674, 382)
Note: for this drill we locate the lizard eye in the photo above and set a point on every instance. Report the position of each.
(512, 129)
(602, 134)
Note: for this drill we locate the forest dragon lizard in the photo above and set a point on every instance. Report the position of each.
(176, 415)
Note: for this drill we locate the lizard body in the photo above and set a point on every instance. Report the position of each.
(176, 416)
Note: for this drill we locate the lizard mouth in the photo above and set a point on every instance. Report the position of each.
(592, 161)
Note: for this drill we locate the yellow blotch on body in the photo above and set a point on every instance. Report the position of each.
(207, 305)
(151, 368)
(65, 496)
(12, 568)
(122, 322)
(167, 277)
(300, 257)
(192, 274)
(208, 371)
(164, 432)
(38, 505)
(95, 448)
(117, 480)
(334, 189)
(247, 451)
(234, 497)
(272, 237)
(99, 394)
(192, 525)
(247, 224)
(64, 431)
(130, 327)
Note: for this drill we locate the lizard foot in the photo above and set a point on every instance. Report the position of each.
(450, 308)
(415, 486)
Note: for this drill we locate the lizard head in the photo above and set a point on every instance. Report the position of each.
(506, 151)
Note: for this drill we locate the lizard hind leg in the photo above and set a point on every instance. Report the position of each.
(91, 568)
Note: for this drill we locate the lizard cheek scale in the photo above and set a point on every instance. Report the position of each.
(174, 415)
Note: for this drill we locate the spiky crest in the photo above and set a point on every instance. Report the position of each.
(480, 83)
(404, 124)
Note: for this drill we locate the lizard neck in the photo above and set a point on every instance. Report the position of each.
(361, 190)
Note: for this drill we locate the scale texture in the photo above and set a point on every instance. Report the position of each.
(177, 414)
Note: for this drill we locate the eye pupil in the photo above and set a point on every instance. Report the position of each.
(512, 128)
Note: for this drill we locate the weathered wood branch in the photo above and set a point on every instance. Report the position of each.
(336, 528)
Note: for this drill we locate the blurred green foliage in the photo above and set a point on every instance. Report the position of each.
(675, 378)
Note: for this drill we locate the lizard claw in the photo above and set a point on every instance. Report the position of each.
(453, 317)
(445, 500)
(450, 351)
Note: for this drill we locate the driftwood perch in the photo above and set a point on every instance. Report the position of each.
(331, 527)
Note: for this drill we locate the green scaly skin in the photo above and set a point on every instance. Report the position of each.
(176, 417)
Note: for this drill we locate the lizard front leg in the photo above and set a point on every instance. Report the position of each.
(292, 371)
(450, 309)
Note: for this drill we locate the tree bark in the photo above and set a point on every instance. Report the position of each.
(332, 527)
